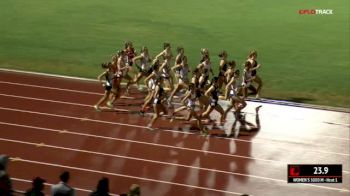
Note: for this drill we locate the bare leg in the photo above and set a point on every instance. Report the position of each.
(177, 88)
(155, 116)
(102, 100)
(228, 109)
(207, 112)
(221, 111)
(148, 101)
(258, 80)
(199, 123)
(130, 81)
(180, 109)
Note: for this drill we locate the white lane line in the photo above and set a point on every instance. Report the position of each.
(145, 143)
(60, 102)
(126, 176)
(49, 75)
(125, 110)
(140, 159)
(144, 127)
(52, 88)
(49, 184)
(140, 142)
(86, 92)
(160, 181)
(122, 124)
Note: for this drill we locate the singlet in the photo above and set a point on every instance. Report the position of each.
(123, 72)
(206, 68)
(247, 75)
(144, 62)
(233, 88)
(223, 69)
(179, 61)
(192, 99)
(109, 78)
(167, 56)
(165, 71)
(255, 64)
(215, 93)
(158, 98)
(184, 72)
(130, 54)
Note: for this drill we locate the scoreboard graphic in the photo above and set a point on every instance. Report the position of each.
(308, 173)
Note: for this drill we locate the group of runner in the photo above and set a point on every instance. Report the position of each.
(164, 80)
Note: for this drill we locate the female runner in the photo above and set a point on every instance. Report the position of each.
(223, 68)
(129, 55)
(145, 61)
(165, 67)
(253, 55)
(191, 97)
(181, 71)
(150, 83)
(230, 71)
(205, 68)
(247, 79)
(212, 93)
(158, 106)
(236, 101)
(120, 71)
(108, 76)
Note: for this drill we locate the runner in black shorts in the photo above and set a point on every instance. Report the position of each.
(212, 93)
(108, 76)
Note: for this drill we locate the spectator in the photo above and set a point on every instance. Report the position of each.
(38, 187)
(62, 188)
(102, 188)
(5, 182)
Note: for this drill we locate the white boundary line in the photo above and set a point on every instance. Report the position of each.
(49, 185)
(128, 176)
(269, 101)
(52, 88)
(48, 75)
(125, 110)
(95, 93)
(143, 127)
(40, 145)
(158, 162)
(145, 143)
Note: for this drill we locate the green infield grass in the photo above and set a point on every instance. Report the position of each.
(305, 58)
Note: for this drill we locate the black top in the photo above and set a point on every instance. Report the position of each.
(214, 93)
(255, 64)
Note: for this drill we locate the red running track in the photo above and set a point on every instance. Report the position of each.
(48, 125)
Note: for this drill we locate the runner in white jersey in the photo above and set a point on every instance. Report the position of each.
(144, 69)
(150, 83)
(233, 88)
(182, 69)
(191, 97)
(165, 66)
(205, 68)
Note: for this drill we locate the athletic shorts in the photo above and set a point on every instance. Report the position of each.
(214, 102)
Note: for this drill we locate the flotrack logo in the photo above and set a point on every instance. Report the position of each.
(316, 12)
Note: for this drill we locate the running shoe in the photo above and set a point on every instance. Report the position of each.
(97, 108)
